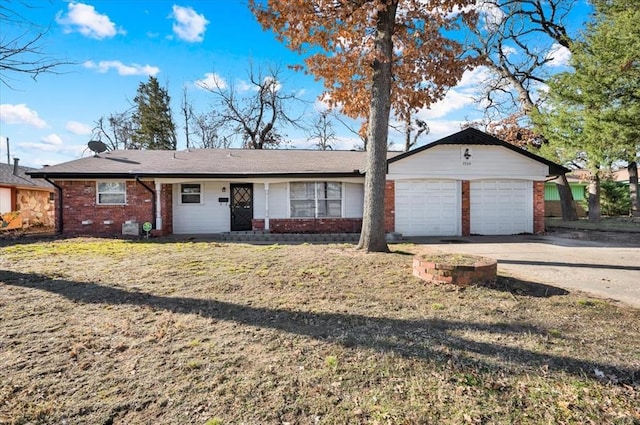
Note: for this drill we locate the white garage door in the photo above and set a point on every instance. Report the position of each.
(428, 207)
(501, 207)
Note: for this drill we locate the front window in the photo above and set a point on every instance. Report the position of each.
(112, 193)
(316, 199)
(190, 193)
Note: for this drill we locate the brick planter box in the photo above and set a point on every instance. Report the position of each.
(461, 270)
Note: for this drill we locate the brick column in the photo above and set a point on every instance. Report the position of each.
(466, 208)
(390, 206)
(166, 199)
(538, 207)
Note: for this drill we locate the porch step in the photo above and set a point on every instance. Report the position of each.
(269, 238)
(257, 236)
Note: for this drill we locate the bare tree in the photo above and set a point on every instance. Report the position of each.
(412, 131)
(186, 108)
(205, 130)
(21, 45)
(257, 112)
(322, 131)
(517, 39)
(116, 131)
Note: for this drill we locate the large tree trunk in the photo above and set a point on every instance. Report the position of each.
(373, 236)
(566, 199)
(633, 189)
(594, 197)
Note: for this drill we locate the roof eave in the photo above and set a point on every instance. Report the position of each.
(133, 174)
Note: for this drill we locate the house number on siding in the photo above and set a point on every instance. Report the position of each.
(466, 155)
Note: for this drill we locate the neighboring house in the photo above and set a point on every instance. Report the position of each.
(31, 198)
(467, 183)
(579, 182)
(552, 206)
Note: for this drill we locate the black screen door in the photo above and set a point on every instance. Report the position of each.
(241, 207)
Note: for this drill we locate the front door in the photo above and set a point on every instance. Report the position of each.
(241, 207)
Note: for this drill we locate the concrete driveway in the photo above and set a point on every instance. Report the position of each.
(606, 270)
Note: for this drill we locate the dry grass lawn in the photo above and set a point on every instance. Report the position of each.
(165, 332)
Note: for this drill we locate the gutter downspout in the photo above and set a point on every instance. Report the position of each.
(60, 223)
(153, 200)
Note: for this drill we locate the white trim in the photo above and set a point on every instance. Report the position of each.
(315, 194)
(266, 206)
(159, 205)
(123, 182)
(200, 193)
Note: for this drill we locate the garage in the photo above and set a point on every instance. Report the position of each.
(501, 207)
(427, 207)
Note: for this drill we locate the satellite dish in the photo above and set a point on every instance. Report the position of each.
(97, 146)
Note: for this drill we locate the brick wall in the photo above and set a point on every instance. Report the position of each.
(466, 208)
(79, 204)
(166, 200)
(390, 206)
(315, 225)
(538, 207)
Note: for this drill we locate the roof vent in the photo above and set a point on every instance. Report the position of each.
(15, 166)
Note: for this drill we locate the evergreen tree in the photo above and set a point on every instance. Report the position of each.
(153, 120)
(594, 111)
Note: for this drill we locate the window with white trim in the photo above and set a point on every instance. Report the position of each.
(190, 193)
(111, 193)
(315, 199)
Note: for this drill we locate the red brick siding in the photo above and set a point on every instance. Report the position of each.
(257, 224)
(538, 207)
(79, 204)
(315, 225)
(166, 202)
(466, 208)
(390, 206)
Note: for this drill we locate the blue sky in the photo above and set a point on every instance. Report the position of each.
(116, 44)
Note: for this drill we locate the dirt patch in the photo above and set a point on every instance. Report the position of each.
(126, 332)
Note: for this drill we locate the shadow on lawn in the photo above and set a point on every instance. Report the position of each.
(429, 339)
(524, 288)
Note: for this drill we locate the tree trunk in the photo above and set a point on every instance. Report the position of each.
(373, 236)
(594, 197)
(633, 189)
(566, 199)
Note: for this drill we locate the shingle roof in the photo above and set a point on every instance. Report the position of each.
(210, 163)
(21, 179)
(239, 163)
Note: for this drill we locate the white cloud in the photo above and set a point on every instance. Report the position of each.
(122, 69)
(474, 78)
(508, 51)
(211, 81)
(243, 86)
(52, 139)
(76, 127)
(490, 13)
(189, 25)
(270, 82)
(84, 19)
(558, 55)
(20, 114)
(454, 100)
(273, 84)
